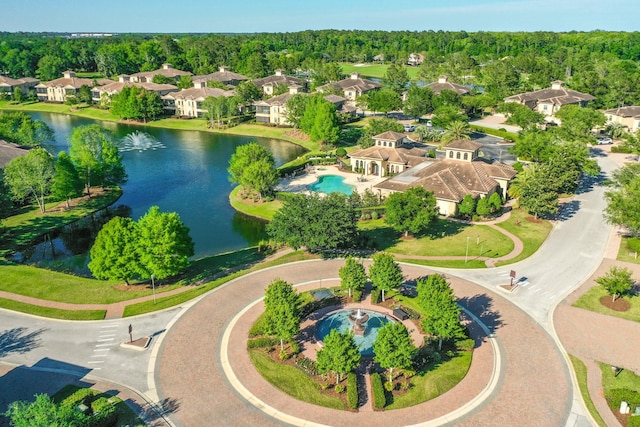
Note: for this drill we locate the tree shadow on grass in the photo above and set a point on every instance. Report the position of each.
(19, 340)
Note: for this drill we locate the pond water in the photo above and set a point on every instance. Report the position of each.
(330, 184)
(340, 320)
(184, 172)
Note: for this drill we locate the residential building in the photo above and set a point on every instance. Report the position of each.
(268, 84)
(167, 70)
(113, 88)
(629, 117)
(274, 109)
(390, 155)
(450, 179)
(223, 75)
(25, 84)
(59, 90)
(415, 59)
(9, 151)
(188, 102)
(352, 87)
(444, 83)
(548, 101)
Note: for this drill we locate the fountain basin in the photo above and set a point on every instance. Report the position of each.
(342, 321)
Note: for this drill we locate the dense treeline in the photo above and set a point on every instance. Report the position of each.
(604, 64)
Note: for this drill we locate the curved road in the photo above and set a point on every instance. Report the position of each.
(569, 256)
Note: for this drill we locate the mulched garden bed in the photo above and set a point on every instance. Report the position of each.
(619, 304)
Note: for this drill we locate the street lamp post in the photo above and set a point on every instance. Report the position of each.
(466, 255)
(153, 286)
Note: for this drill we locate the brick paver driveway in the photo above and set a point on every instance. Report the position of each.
(534, 387)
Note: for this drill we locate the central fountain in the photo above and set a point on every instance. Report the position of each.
(139, 141)
(358, 321)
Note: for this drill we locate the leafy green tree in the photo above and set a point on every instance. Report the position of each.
(447, 97)
(446, 114)
(521, 115)
(50, 67)
(577, 122)
(161, 79)
(441, 313)
(164, 245)
(339, 354)
(218, 108)
(84, 94)
(617, 281)
(5, 197)
(567, 162)
(467, 206)
(384, 101)
(20, 128)
(185, 82)
(456, 130)
(427, 133)
(396, 78)
(539, 194)
(296, 107)
(623, 204)
(253, 167)
(281, 311)
(495, 202)
(96, 157)
(115, 254)
(315, 222)
(411, 210)
(325, 125)
(247, 92)
(18, 96)
(534, 145)
(352, 275)
(385, 273)
(30, 176)
(483, 207)
(419, 101)
(66, 182)
(393, 348)
(43, 412)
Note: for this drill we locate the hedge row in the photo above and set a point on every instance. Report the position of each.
(509, 136)
(262, 342)
(621, 149)
(352, 390)
(379, 399)
(307, 366)
(376, 295)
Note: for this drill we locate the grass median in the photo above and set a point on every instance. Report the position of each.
(581, 376)
(532, 234)
(54, 313)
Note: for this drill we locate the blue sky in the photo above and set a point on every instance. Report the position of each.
(212, 16)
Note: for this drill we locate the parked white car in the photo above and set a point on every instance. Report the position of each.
(603, 140)
(409, 128)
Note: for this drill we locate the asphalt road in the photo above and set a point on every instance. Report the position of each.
(569, 256)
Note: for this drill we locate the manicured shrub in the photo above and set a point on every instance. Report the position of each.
(633, 243)
(621, 149)
(83, 395)
(375, 295)
(500, 133)
(295, 347)
(307, 366)
(283, 355)
(262, 342)
(379, 398)
(374, 215)
(518, 166)
(467, 344)
(356, 294)
(388, 385)
(339, 388)
(104, 413)
(352, 390)
(341, 152)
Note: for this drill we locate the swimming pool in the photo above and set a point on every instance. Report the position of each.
(331, 184)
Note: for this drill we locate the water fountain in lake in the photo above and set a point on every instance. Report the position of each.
(139, 141)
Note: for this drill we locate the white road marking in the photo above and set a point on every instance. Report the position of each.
(103, 345)
(106, 339)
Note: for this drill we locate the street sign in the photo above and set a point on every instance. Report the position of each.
(512, 274)
(130, 331)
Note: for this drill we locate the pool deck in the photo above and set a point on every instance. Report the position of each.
(299, 184)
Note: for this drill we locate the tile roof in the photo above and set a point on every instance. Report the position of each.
(464, 145)
(630, 111)
(73, 82)
(556, 94)
(389, 136)
(402, 155)
(116, 87)
(221, 76)
(354, 83)
(199, 94)
(4, 80)
(443, 84)
(9, 151)
(451, 179)
(278, 79)
(275, 100)
(167, 72)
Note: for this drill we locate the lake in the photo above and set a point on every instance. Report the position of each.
(183, 172)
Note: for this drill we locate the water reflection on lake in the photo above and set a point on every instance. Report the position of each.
(181, 171)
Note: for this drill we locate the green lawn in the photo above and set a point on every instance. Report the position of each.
(444, 238)
(591, 301)
(434, 383)
(374, 70)
(624, 254)
(532, 234)
(581, 375)
(53, 313)
(292, 381)
(471, 263)
(264, 210)
(27, 225)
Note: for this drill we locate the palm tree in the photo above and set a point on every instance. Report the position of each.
(456, 130)
(615, 129)
(515, 186)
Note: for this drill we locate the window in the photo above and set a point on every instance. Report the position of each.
(451, 154)
(466, 156)
(458, 155)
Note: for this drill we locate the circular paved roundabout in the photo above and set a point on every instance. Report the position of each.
(517, 376)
